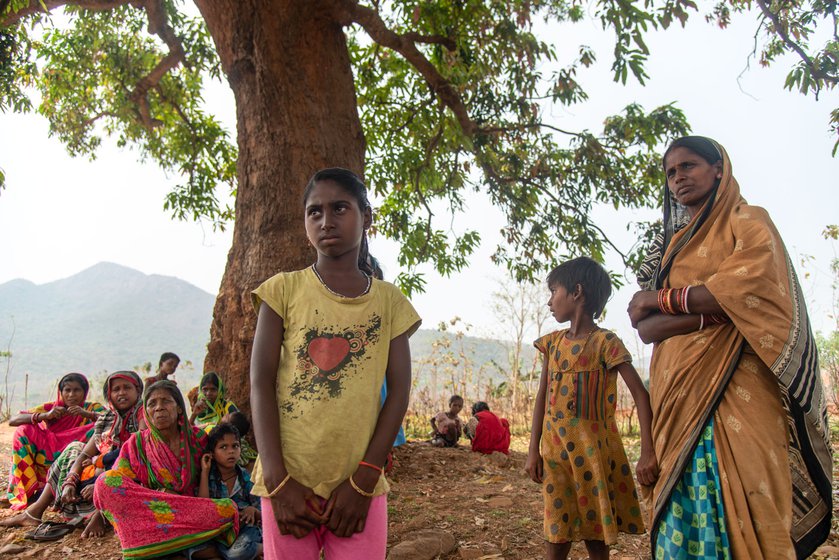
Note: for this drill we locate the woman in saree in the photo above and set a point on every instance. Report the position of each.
(44, 432)
(70, 480)
(149, 497)
(212, 404)
(739, 417)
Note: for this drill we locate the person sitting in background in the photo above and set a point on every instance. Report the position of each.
(149, 496)
(241, 422)
(447, 425)
(70, 480)
(222, 477)
(44, 432)
(167, 365)
(487, 431)
(212, 404)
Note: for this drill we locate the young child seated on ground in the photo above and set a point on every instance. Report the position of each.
(241, 422)
(222, 477)
(446, 426)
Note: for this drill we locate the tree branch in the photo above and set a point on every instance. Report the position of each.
(431, 40)
(405, 45)
(158, 25)
(788, 41)
(37, 7)
(96, 117)
(518, 127)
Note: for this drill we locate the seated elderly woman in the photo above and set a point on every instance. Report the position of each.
(44, 432)
(71, 477)
(150, 496)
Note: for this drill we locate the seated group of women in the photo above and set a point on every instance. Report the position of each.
(141, 458)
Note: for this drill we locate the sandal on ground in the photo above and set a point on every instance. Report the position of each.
(51, 531)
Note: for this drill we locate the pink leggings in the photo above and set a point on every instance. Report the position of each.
(370, 544)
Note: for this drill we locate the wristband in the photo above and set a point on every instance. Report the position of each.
(359, 490)
(372, 466)
(70, 483)
(717, 319)
(279, 487)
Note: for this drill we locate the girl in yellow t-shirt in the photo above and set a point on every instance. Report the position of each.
(326, 338)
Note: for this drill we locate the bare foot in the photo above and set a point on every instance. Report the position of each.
(22, 519)
(96, 526)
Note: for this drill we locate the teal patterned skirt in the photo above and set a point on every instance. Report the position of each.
(693, 526)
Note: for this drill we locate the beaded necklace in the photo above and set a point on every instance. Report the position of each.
(333, 292)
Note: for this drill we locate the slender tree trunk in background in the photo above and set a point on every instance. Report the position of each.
(287, 64)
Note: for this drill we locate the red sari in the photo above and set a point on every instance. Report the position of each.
(36, 446)
(492, 434)
(149, 498)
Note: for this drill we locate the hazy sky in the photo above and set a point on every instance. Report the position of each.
(59, 215)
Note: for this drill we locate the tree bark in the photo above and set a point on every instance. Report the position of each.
(288, 66)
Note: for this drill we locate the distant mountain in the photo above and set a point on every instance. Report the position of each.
(104, 318)
(111, 317)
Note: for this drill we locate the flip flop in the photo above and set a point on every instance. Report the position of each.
(50, 531)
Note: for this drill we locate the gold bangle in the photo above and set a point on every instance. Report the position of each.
(279, 487)
(360, 491)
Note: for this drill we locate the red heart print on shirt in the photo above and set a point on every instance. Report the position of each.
(327, 353)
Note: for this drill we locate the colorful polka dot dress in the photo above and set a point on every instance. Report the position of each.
(588, 486)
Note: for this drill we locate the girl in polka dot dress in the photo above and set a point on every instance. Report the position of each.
(576, 452)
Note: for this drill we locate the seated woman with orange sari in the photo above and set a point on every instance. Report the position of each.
(70, 480)
(739, 418)
(44, 432)
(149, 497)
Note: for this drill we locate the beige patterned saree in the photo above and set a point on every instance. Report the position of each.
(757, 377)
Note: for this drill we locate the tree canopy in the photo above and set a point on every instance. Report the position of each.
(452, 96)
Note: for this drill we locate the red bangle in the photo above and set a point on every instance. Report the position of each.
(372, 466)
(661, 306)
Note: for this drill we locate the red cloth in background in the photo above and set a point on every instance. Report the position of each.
(492, 434)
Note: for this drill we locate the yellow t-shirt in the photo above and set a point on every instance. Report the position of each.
(332, 366)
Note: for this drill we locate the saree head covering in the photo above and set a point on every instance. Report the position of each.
(763, 361)
(116, 426)
(217, 409)
(36, 446)
(151, 447)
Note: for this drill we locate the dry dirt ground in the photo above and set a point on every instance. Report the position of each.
(489, 507)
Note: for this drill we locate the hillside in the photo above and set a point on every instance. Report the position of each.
(110, 317)
(104, 318)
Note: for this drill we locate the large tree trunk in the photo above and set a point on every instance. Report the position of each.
(288, 66)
